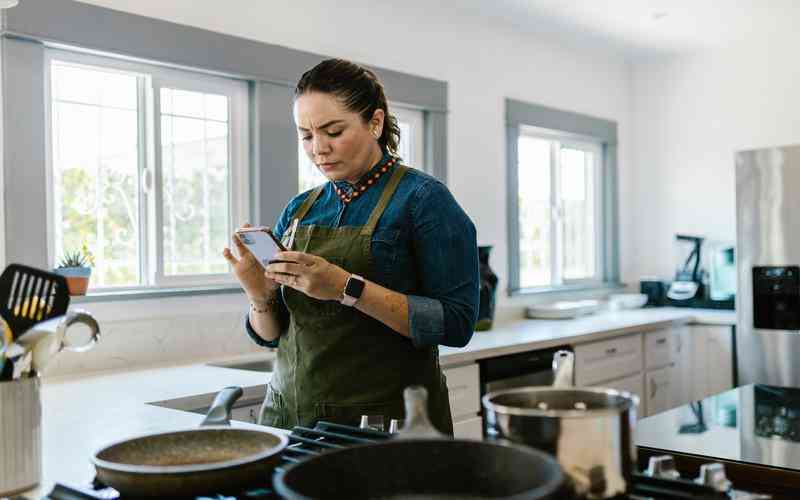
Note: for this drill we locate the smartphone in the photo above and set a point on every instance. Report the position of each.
(261, 242)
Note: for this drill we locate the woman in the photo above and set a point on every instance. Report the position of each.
(383, 267)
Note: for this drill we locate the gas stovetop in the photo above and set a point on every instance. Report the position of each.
(660, 481)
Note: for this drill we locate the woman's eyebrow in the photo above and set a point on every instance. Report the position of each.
(328, 124)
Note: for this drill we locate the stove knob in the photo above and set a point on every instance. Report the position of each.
(713, 475)
(662, 466)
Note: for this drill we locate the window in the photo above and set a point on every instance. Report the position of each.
(559, 210)
(147, 168)
(410, 148)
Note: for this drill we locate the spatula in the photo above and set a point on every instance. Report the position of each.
(29, 295)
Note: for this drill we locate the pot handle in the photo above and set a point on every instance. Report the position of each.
(220, 411)
(564, 369)
(417, 424)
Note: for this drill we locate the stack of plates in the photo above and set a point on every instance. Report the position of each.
(563, 309)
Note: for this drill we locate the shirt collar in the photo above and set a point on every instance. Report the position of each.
(346, 187)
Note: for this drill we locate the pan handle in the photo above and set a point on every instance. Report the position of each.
(220, 411)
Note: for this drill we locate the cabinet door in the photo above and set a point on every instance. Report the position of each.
(659, 390)
(247, 414)
(632, 384)
(712, 360)
(683, 374)
(596, 362)
(658, 348)
(471, 428)
(464, 387)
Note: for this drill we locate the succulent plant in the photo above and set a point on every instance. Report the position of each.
(78, 258)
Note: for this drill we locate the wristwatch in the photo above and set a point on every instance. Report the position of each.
(352, 290)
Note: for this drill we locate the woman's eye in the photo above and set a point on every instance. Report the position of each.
(334, 134)
(306, 137)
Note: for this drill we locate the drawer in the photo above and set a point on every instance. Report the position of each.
(471, 428)
(658, 350)
(463, 384)
(632, 384)
(608, 359)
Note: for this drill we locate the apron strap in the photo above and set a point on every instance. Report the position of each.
(308, 202)
(383, 202)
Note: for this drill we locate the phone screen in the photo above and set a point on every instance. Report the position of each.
(261, 244)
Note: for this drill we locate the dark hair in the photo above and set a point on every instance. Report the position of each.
(358, 88)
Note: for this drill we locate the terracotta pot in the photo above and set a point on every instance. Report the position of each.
(77, 278)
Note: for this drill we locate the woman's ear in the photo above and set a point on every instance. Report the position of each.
(376, 123)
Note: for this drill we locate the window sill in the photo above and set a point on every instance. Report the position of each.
(583, 287)
(153, 293)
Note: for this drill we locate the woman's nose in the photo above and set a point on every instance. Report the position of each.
(319, 145)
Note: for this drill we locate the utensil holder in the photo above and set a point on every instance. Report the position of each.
(20, 435)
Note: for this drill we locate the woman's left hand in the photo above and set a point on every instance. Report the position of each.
(310, 274)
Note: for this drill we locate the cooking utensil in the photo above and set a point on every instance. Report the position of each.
(191, 462)
(423, 467)
(589, 430)
(48, 338)
(29, 295)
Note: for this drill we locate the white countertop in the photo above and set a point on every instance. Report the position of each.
(529, 334)
(83, 413)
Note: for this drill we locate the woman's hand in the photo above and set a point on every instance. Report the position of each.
(310, 274)
(249, 272)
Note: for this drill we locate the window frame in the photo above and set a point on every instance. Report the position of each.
(151, 240)
(569, 127)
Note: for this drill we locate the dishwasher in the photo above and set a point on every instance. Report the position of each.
(518, 370)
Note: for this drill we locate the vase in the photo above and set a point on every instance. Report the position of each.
(488, 291)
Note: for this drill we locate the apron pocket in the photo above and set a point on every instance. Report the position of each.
(350, 413)
(273, 409)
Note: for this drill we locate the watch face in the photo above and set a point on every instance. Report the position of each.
(354, 288)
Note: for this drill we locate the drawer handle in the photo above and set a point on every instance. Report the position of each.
(662, 340)
(611, 350)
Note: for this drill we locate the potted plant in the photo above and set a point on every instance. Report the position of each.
(76, 268)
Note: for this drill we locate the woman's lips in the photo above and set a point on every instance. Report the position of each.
(328, 166)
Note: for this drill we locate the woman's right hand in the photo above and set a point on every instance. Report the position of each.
(249, 272)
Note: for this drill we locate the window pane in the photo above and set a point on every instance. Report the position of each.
(309, 174)
(404, 146)
(577, 196)
(534, 212)
(95, 159)
(195, 165)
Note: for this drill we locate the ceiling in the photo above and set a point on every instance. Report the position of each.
(642, 28)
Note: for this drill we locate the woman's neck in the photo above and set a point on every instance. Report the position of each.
(375, 156)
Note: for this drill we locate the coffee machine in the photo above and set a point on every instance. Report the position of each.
(688, 283)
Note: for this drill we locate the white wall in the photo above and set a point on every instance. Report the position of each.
(690, 115)
(482, 64)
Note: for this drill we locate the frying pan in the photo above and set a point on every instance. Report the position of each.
(212, 458)
(418, 467)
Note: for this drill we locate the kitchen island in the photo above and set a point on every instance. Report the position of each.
(754, 430)
(82, 413)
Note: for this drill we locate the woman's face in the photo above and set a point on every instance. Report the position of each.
(337, 140)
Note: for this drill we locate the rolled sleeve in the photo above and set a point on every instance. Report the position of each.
(445, 308)
(426, 320)
(248, 328)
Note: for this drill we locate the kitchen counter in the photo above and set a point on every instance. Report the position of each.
(529, 334)
(82, 413)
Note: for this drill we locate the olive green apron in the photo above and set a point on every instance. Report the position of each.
(335, 363)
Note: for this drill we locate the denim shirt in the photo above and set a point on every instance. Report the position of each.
(424, 246)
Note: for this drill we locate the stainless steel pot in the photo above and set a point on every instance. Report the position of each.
(588, 430)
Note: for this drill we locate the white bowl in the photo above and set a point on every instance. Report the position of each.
(627, 300)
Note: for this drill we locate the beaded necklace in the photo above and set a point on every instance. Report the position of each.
(364, 183)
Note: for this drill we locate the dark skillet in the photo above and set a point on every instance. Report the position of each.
(213, 457)
(424, 467)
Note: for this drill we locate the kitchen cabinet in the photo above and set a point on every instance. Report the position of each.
(463, 385)
(616, 358)
(632, 384)
(659, 388)
(711, 360)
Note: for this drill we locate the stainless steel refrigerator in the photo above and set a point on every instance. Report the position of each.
(768, 256)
